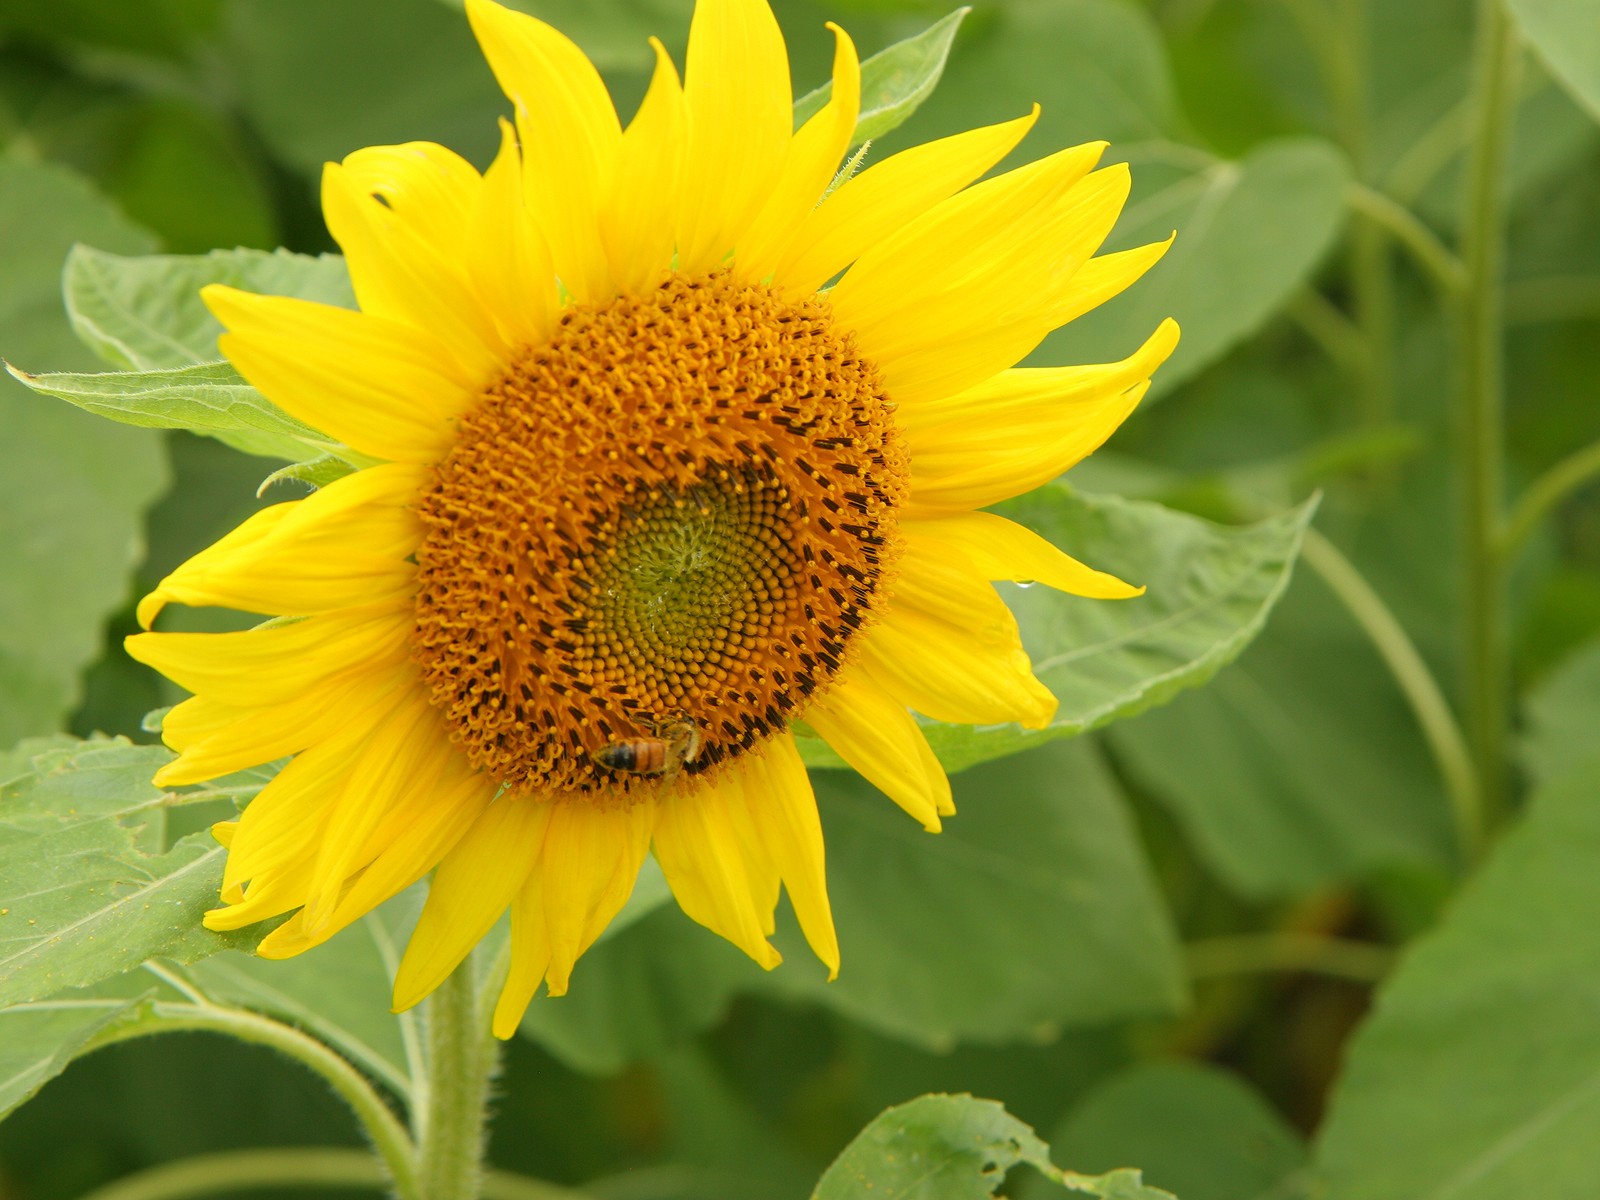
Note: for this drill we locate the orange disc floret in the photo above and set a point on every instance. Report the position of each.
(682, 508)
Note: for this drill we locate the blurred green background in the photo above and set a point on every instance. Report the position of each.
(1292, 798)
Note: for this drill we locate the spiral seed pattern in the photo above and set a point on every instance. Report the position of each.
(681, 508)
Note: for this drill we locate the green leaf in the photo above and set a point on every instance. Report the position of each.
(1301, 764)
(144, 313)
(894, 82)
(1566, 34)
(208, 398)
(74, 490)
(38, 1040)
(86, 891)
(1477, 1077)
(1193, 1128)
(946, 938)
(955, 1148)
(1210, 588)
(943, 938)
(1250, 233)
(1562, 714)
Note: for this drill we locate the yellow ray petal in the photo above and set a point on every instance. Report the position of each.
(776, 792)
(948, 646)
(383, 387)
(704, 859)
(344, 545)
(936, 321)
(215, 739)
(569, 132)
(1001, 549)
(740, 117)
(1022, 428)
(809, 167)
(1105, 276)
(381, 773)
(886, 197)
(511, 264)
(639, 214)
(880, 738)
(530, 957)
(472, 887)
(400, 213)
(591, 859)
(425, 821)
(275, 663)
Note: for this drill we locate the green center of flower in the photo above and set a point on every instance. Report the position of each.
(656, 537)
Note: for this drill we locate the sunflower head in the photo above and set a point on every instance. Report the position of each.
(675, 443)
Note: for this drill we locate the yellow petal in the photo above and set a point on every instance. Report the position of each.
(400, 748)
(344, 545)
(783, 809)
(1001, 549)
(420, 826)
(704, 859)
(275, 663)
(639, 215)
(886, 197)
(959, 295)
(400, 213)
(591, 858)
(473, 886)
(1105, 276)
(948, 646)
(740, 118)
(380, 386)
(511, 265)
(569, 132)
(880, 738)
(530, 957)
(809, 167)
(1022, 428)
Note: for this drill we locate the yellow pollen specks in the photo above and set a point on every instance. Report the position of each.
(680, 510)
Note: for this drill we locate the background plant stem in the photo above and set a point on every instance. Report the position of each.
(1481, 411)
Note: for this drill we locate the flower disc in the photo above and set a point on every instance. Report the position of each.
(680, 509)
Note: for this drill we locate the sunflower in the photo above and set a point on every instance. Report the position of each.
(643, 494)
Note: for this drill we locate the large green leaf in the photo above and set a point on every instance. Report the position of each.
(1562, 714)
(1477, 1076)
(38, 1040)
(1210, 588)
(1566, 34)
(73, 490)
(86, 889)
(956, 1148)
(894, 82)
(1032, 911)
(1300, 765)
(1194, 1129)
(144, 312)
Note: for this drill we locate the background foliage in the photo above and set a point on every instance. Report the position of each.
(1157, 943)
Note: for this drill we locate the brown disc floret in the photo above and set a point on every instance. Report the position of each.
(678, 513)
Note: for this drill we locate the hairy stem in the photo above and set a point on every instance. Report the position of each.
(388, 1136)
(1481, 406)
(453, 1109)
(319, 1167)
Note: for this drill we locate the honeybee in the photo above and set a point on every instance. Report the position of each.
(676, 744)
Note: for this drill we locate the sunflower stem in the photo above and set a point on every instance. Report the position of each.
(1481, 405)
(452, 1112)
